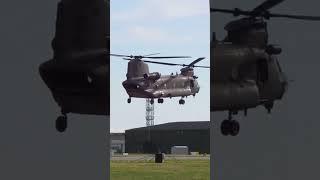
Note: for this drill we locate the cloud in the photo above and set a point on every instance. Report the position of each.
(146, 34)
(157, 21)
(157, 10)
(152, 34)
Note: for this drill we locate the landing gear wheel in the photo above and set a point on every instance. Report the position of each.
(230, 127)
(152, 101)
(181, 101)
(61, 123)
(129, 100)
(225, 127)
(235, 128)
(160, 100)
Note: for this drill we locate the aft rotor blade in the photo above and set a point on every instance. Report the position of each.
(222, 10)
(167, 57)
(147, 56)
(164, 63)
(202, 66)
(119, 55)
(175, 64)
(196, 61)
(310, 18)
(268, 4)
(151, 54)
(235, 12)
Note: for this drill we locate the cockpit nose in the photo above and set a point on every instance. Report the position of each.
(196, 86)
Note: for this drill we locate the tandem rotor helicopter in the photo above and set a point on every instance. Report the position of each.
(140, 83)
(246, 72)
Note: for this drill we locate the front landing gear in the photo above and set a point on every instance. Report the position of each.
(230, 127)
(160, 100)
(129, 100)
(62, 123)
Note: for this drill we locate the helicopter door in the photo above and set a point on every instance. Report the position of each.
(262, 70)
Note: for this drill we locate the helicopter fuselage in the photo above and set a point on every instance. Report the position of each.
(163, 87)
(246, 71)
(245, 77)
(80, 88)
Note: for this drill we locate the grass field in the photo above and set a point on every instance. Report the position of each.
(169, 170)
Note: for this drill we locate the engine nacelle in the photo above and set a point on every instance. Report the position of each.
(152, 76)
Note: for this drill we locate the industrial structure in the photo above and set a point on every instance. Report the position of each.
(149, 112)
(161, 138)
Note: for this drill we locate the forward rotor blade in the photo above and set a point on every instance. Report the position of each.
(310, 18)
(268, 4)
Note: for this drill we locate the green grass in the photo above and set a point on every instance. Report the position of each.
(169, 170)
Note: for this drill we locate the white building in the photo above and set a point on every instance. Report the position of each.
(117, 142)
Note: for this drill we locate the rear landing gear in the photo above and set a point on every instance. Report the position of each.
(129, 100)
(230, 127)
(181, 101)
(160, 100)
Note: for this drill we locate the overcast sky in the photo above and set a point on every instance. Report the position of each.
(169, 27)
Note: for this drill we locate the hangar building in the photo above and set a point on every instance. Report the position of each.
(161, 138)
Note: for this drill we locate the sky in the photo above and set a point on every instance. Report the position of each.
(168, 27)
(283, 145)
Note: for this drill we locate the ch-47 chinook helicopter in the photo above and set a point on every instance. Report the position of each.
(78, 73)
(141, 83)
(246, 72)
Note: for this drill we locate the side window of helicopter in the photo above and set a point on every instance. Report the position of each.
(262, 70)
